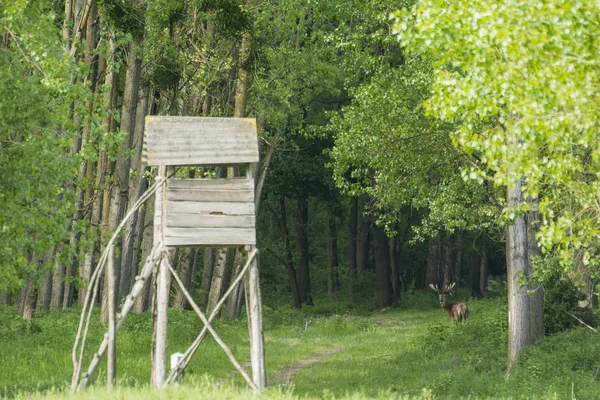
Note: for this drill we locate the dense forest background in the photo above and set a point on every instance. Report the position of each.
(402, 145)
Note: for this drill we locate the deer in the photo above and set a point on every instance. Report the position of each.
(456, 311)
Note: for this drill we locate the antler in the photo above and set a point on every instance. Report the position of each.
(449, 287)
(434, 288)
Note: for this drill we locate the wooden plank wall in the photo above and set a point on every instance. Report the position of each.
(210, 212)
(200, 141)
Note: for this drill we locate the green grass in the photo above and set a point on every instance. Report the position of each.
(411, 351)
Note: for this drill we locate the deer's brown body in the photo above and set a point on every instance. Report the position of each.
(456, 311)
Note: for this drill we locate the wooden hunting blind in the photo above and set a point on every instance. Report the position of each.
(217, 212)
(209, 212)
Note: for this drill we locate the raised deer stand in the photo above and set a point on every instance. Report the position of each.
(189, 212)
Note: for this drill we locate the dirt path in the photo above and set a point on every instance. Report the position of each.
(285, 376)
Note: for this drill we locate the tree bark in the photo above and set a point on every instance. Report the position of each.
(218, 279)
(28, 298)
(364, 239)
(447, 251)
(474, 270)
(138, 185)
(483, 271)
(289, 261)
(332, 256)
(352, 239)
(433, 270)
(232, 306)
(383, 285)
(537, 298)
(142, 303)
(207, 272)
(459, 257)
(58, 286)
(186, 261)
(303, 269)
(519, 323)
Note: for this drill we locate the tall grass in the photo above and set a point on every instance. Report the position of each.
(406, 352)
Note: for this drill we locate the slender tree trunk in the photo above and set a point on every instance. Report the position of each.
(138, 185)
(6, 299)
(364, 239)
(120, 189)
(383, 285)
(142, 303)
(352, 239)
(483, 270)
(474, 269)
(394, 265)
(28, 298)
(459, 257)
(231, 310)
(332, 256)
(303, 269)
(45, 291)
(186, 261)
(447, 251)
(289, 261)
(433, 271)
(207, 272)
(519, 322)
(537, 298)
(58, 286)
(218, 279)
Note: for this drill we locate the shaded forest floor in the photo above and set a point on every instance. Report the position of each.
(411, 351)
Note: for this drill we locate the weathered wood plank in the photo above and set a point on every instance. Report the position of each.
(211, 190)
(210, 221)
(211, 184)
(200, 141)
(209, 236)
(233, 196)
(216, 208)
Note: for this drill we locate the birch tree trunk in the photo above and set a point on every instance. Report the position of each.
(58, 287)
(519, 323)
(142, 303)
(433, 269)
(483, 270)
(207, 272)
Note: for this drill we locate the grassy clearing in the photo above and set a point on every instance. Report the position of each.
(413, 351)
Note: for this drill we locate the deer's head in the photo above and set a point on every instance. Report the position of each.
(442, 294)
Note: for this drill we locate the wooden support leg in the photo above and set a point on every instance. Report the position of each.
(111, 367)
(162, 305)
(254, 310)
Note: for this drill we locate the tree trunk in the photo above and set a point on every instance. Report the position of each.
(207, 272)
(58, 286)
(137, 186)
(483, 271)
(537, 298)
(289, 261)
(383, 285)
(447, 251)
(142, 303)
(28, 298)
(433, 270)
(352, 239)
(232, 307)
(303, 269)
(6, 299)
(45, 291)
(184, 271)
(519, 323)
(218, 279)
(120, 194)
(332, 256)
(474, 270)
(364, 239)
(459, 257)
